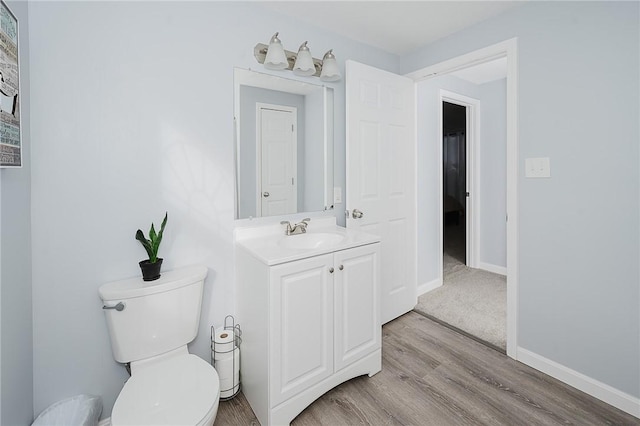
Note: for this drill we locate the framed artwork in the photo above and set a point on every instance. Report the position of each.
(10, 135)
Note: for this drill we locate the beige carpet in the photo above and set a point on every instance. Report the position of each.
(471, 300)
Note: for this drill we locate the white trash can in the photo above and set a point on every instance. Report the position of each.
(79, 410)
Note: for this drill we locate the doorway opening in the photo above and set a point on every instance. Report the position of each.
(454, 181)
(459, 124)
(508, 49)
(471, 300)
(471, 297)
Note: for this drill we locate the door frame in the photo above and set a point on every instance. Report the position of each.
(508, 49)
(472, 175)
(259, 107)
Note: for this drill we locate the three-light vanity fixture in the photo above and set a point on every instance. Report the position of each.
(274, 57)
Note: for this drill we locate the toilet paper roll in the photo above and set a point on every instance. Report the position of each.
(228, 368)
(230, 392)
(229, 373)
(224, 343)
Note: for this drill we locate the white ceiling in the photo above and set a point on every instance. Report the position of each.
(398, 27)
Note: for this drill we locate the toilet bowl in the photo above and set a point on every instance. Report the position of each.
(182, 390)
(150, 325)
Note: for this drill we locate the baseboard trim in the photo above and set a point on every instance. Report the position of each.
(493, 268)
(586, 384)
(105, 422)
(427, 287)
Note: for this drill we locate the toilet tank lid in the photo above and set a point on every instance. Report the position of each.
(137, 287)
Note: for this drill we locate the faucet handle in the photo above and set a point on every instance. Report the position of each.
(289, 228)
(303, 224)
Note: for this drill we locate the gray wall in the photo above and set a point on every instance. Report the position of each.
(1, 299)
(143, 124)
(578, 67)
(493, 173)
(314, 166)
(16, 369)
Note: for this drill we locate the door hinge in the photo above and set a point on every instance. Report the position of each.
(292, 181)
(292, 128)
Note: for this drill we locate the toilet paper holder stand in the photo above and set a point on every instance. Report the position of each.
(218, 349)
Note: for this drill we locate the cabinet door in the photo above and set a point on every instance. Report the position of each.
(301, 344)
(357, 303)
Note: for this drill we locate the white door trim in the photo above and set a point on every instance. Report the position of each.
(472, 142)
(508, 48)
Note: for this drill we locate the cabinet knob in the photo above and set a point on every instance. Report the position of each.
(341, 267)
(331, 270)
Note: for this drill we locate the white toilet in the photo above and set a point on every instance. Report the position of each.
(150, 324)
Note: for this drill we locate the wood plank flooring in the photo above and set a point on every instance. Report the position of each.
(432, 375)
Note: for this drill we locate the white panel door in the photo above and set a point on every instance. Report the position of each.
(301, 319)
(357, 309)
(277, 140)
(381, 176)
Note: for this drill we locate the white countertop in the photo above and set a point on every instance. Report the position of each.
(264, 242)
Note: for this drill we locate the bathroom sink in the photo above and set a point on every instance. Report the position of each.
(314, 240)
(268, 243)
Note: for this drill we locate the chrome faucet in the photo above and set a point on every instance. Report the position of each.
(298, 228)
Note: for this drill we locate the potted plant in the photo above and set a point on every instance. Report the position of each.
(151, 267)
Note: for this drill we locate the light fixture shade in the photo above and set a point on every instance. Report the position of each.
(276, 59)
(330, 70)
(304, 62)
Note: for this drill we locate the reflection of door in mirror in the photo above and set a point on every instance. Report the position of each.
(301, 167)
(255, 170)
(276, 129)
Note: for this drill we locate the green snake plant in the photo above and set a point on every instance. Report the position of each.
(152, 244)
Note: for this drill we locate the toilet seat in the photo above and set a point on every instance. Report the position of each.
(181, 390)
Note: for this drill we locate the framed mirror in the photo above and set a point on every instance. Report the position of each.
(283, 145)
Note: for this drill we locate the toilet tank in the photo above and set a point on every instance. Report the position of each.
(158, 316)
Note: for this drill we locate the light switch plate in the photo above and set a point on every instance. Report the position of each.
(537, 167)
(337, 195)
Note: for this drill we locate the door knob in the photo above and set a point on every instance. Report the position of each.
(265, 194)
(356, 214)
(331, 270)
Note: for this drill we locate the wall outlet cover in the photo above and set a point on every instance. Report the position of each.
(337, 195)
(537, 167)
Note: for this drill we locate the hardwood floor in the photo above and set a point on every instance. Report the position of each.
(432, 375)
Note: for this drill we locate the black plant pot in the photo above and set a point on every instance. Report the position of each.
(150, 271)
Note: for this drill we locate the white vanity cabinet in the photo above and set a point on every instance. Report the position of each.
(300, 326)
(308, 325)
